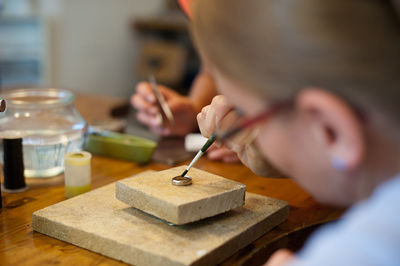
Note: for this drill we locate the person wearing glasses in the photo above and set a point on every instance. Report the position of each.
(336, 66)
(184, 108)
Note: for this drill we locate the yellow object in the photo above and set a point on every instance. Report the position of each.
(77, 173)
(74, 191)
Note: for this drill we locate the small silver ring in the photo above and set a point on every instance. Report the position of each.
(181, 180)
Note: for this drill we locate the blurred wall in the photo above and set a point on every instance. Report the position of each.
(93, 46)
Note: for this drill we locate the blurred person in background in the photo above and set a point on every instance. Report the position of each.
(184, 108)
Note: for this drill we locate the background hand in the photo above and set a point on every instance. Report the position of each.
(149, 114)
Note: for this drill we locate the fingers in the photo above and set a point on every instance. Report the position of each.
(144, 90)
(218, 153)
(152, 121)
(161, 131)
(212, 117)
(142, 105)
(233, 158)
(144, 100)
(205, 129)
(222, 107)
(280, 257)
(149, 112)
(223, 154)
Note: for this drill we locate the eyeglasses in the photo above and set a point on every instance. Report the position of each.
(246, 123)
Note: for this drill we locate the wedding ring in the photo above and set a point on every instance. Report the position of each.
(181, 180)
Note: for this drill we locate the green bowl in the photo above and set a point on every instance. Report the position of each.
(120, 146)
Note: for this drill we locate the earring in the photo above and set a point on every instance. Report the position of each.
(339, 164)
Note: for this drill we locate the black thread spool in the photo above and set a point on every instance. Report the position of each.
(14, 179)
(3, 106)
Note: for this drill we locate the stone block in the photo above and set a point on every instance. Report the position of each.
(208, 195)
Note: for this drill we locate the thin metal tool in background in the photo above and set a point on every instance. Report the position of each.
(164, 108)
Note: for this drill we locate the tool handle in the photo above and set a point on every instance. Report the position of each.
(208, 143)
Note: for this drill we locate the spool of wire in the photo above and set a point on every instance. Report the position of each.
(14, 179)
(3, 106)
(77, 173)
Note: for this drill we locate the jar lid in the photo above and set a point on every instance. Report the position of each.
(37, 97)
(77, 158)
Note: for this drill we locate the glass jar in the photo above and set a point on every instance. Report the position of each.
(48, 124)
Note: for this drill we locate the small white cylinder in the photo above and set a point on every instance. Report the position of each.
(194, 142)
(77, 173)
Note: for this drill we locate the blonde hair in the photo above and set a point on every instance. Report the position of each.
(277, 47)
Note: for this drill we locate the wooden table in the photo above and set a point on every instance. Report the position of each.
(19, 245)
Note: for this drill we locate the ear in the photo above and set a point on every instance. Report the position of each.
(340, 127)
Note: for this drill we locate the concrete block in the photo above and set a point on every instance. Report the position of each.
(154, 194)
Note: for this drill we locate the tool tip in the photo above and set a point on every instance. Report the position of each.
(184, 172)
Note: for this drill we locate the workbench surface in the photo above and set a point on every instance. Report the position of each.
(19, 245)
